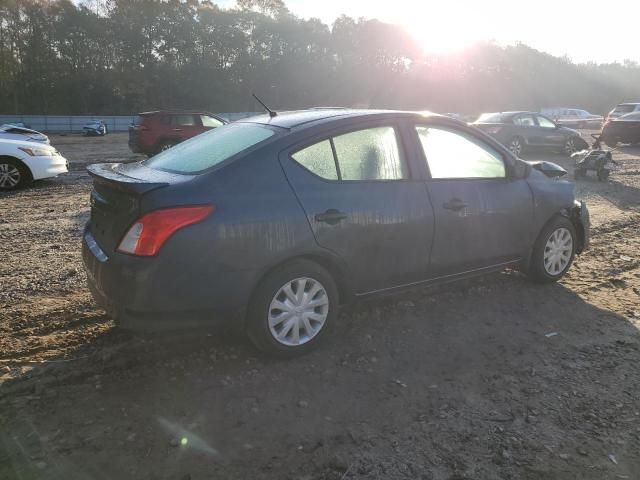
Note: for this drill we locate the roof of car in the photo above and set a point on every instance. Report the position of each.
(176, 112)
(298, 118)
(628, 103)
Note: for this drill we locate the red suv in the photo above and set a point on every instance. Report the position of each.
(157, 131)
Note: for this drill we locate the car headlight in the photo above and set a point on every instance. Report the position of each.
(38, 151)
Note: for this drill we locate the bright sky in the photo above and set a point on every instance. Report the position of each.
(585, 30)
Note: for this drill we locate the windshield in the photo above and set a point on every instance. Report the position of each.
(209, 149)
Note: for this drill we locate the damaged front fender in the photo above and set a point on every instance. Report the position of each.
(579, 216)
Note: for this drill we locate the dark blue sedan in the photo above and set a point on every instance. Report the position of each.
(276, 221)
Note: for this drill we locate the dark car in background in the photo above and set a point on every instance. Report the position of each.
(522, 131)
(624, 129)
(153, 132)
(276, 221)
(623, 109)
(573, 117)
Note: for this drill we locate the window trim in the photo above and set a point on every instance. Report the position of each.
(351, 129)
(465, 134)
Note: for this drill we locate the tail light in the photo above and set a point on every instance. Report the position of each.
(145, 237)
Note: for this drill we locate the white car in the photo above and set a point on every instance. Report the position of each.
(22, 162)
(13, 132)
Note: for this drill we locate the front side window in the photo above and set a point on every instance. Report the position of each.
(544, 122)
(453, 155)
(209, 149)
(370, 154)
(210, 122)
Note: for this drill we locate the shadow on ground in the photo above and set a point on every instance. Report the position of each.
(500, 379)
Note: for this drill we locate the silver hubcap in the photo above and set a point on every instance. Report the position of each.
(515, 147)
(9, 175)
(557, 251)
(298, 311)
(570, 146)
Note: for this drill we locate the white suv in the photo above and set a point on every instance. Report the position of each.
(22, 162)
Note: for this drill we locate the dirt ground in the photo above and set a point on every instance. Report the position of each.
(496, 378)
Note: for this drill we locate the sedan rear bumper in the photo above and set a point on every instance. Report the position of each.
(153, 293)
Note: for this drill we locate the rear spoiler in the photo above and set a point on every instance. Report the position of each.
(133, 177)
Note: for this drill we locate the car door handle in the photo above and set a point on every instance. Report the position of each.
(454, 204)
(177, 129)
(331, 216)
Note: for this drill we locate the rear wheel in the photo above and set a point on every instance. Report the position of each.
(516, 145)
(13, 174)
(292, 309)
(553, 251)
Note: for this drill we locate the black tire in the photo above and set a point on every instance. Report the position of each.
(579, 173)
(13, 174)
(516, 145)
(537, 270)
(603, 175)
(257, 322)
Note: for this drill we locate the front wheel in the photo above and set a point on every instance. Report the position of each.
(553, 251)
(292, 309)
(12, 174)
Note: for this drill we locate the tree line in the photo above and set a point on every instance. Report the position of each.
(126, 56)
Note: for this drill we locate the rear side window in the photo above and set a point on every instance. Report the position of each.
(452, 155)
(210, 148)
(370, 154)
(184, 120)
(318, 158)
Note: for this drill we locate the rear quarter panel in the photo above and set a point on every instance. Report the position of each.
(257, 224)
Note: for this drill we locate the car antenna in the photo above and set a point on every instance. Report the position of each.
(271, 112)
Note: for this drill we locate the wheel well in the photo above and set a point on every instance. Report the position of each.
(21, 163)
(331, 266)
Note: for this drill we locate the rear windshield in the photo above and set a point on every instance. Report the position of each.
(624, 108)
(491, 118)
(211, 148)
